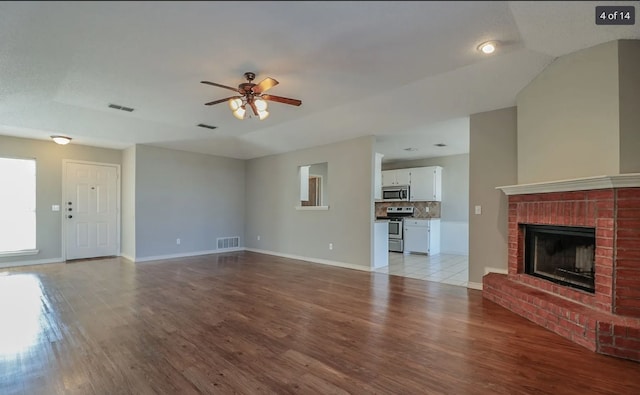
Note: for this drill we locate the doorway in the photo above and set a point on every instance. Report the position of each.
(91, 209)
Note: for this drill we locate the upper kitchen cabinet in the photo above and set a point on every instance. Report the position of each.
(426, 183)
(396, 177)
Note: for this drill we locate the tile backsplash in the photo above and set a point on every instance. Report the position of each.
(419, 212)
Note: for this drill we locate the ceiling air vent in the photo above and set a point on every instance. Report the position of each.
(118, 107)
(202, 125)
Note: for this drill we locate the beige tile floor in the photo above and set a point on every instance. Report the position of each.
(442, 268)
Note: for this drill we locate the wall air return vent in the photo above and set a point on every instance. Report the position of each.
(118, 107)
(228, 243)
(202, 125)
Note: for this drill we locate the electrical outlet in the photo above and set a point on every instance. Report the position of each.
(258, 238)
(331, 246)
(178, 241)
(426, 209)
(478, 210)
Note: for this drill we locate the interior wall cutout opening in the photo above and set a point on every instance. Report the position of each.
(314, 185)
(17, 205)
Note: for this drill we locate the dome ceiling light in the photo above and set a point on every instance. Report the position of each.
(62, 140)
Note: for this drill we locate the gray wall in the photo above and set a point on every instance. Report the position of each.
(273, 191)
(128, 200)
(49, 156)
(194, 197)
(569, 115)
(492, 162)
(454, 225)
(629, 86)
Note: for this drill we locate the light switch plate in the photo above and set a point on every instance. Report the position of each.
(55, 207)
(478, 210)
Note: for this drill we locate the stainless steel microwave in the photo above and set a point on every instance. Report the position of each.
(396, 193)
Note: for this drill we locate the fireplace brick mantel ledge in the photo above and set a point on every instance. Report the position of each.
(606, 320)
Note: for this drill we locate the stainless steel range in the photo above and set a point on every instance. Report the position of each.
(396, 216)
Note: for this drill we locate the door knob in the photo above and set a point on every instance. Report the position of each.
(69, 216)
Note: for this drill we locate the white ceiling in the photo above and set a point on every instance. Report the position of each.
(406, 72)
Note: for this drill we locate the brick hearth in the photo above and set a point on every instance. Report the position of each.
(607, 321)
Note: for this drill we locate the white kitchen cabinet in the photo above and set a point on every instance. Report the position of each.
(377, 185)
(422, 235)
(403, 176)
(426, 183)
(396, 177)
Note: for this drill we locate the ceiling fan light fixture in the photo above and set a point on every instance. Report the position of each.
(253, 95)
(239, 113)
(234, 104)
(261, 105)
(62, 140)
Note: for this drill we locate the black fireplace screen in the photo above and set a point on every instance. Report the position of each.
(562, 254)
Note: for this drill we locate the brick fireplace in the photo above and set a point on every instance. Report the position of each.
(607, 320)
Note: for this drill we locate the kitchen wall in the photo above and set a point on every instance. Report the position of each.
(454, 224)
(194, 197)
(320, 169)
(272, 192)
(421, 209)
(493, 162)
(49, 156)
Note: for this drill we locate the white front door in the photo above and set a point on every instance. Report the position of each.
(91, 210)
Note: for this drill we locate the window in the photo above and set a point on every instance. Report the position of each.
(17, 205)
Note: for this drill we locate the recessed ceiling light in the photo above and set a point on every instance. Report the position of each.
(440, 145)
(488, 47)
(410, 149)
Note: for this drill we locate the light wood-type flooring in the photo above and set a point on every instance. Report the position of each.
(246, 323)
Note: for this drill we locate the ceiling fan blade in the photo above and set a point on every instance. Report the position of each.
(280, 99)
(220, 101)
(264, 85)
(220, 86)
(253, 107)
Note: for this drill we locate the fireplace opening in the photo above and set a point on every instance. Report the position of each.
(562, 254)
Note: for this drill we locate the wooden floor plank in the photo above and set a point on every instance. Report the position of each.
(249, 323)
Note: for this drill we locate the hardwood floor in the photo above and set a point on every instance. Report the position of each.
(251, 324)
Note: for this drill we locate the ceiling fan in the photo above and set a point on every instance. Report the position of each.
(252, 95)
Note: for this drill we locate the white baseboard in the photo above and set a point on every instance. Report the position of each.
(127, 257)
(465, 253)
(30, 263)
(477, 286)
(488, 270)
(184, 254)
(314, 260)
